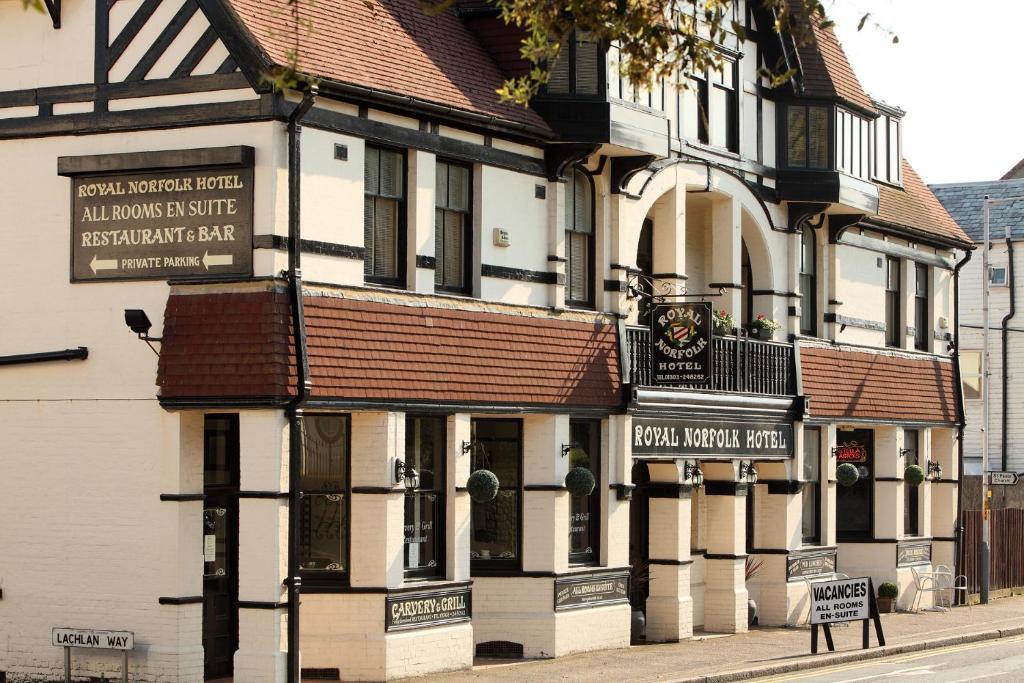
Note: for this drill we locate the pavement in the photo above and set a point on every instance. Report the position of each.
(761, 652)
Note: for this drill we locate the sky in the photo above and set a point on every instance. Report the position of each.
(956, 71)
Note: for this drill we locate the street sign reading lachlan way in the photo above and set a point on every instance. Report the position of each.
(681, 344)
(179, 223)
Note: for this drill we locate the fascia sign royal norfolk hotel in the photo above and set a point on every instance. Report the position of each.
(405, 406)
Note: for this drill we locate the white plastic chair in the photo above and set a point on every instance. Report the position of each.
(925, 582)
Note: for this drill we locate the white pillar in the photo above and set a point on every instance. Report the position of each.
(725, 597)
(669, 605)
(726, 253)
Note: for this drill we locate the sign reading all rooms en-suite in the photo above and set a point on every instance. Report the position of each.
(161, 224)
(681, 437)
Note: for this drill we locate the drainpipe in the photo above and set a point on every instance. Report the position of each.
(958, 529)
(303, 384)
(1006, 343)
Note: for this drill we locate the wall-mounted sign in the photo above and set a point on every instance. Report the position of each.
(428, 608)
(913, 552)
(589, 591)
(810, 563)
(164, 224)
(681, 344)
(87, 637)
(679, 437)
(851, 451)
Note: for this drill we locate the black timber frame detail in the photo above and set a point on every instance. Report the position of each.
(189, 600)
(725, 488)
(263, 495)
(840, 223)
(182, 497)
(623, 169)
(558, 158)
(162, 42)
(859, 323)
(280, 243)
(521, 274)
(260, 604)
(240, 156)
(782, 486)
(802, 214)
(662, 489)
(53, 9)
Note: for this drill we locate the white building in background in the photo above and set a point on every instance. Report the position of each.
(360, 297)
(965, 202)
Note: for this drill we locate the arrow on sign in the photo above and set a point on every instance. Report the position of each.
(102, 264)
(1002, 478)
(217, 259)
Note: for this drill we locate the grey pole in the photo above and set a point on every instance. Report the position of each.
(985, 530)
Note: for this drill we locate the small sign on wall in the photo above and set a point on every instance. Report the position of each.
(913, 552)
(591, 591)
(803, 564)
(428, 608)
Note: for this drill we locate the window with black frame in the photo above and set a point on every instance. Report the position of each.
(424, 503)
(495, 542)
(579, 68)
(383, 216)
(585, 511)
(810, 486)
(855, 503)
(911, 518)
(808, 283)
(453, 221)
(893, 295)
(922, 325)
(725, 106)
(579, 238)
(807, 137)
(325, 495)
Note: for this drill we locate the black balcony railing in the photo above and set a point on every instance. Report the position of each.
(739, 364)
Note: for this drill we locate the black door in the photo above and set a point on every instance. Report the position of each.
(639, 539)
(220, 545)
(855, 505)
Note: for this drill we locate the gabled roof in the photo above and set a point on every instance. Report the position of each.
(915, 207)
(391, 46)
(965, 202)
(1016, 172)
(825, 70)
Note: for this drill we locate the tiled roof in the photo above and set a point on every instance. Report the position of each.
(965, 201)
(1016, 172)
(388, 45)
(877, 386)
(236, 345)
(825, 70)
(914, 206)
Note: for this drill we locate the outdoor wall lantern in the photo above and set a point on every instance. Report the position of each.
(468, 446)
(406, 474)
(748, 471)
(566, 447)
(692, 472)
(138, 322)
(934, 468)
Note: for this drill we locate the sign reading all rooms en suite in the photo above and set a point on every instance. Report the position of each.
(675, 437)
(177, 223)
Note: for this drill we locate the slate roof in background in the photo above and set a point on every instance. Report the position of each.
(825, 69)
(965, 202)
(388, 45)
(877, 386)
(916, 207)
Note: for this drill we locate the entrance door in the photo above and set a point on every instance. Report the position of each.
(855, 505)
(639, 539)
(220, 545)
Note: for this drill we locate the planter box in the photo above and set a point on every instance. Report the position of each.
(886, 605)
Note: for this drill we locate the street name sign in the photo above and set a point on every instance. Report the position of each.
(87, 637)
(1002, 478)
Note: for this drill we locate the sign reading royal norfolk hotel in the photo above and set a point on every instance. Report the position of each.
(160, 224)
(681, 437)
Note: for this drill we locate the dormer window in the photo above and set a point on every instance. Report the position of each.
(578, 69)
(807, 136)
(852, 147)
(887, 149)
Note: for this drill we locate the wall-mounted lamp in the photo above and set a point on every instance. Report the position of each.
(748, 471)
(934, 468)
(566, 447)
(406, 474)
(138, 322)
(468, 446)
(904, 452)
(694, 474)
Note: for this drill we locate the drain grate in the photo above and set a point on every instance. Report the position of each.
(500, 649)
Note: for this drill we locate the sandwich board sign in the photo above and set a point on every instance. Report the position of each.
(843, 600)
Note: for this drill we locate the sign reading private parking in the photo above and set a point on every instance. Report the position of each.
(681, 344)
(164, 224)
(845, 600)
(83, 637)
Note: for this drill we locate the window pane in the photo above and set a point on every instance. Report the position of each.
(458, 188)
(796, 147)
(817, 134)
(894, 151)
(809, 488)
(425, 451)
(577, 268)
(441, 185)
(390, 173)
(583, 218)
(558, 80)
(423, 531)
(495, 525)
(453, 249)
(385, 238)
(585, 511)
(368, 242)
(911, 444)
(323, 480)
(588, 61)
(921, 279)
(371, 171)
(322, 545)
(324, 453)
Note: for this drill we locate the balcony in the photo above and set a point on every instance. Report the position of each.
(740, 365)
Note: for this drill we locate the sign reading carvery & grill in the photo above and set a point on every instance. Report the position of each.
(681, 344)
(177, 223)
(677, 437)
(416, 610)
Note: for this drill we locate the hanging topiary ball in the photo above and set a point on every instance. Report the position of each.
(847, 474)
(482, 486)
(913, 475)
(578, 457)
(580, 481)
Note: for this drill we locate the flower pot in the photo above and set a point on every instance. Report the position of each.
(886, 605)
(761, 333)
(751, 613)
(637, 627)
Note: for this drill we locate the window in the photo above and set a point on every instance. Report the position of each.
(887, 150)
(852, 146)
(922, 324)
(325, 495)
(911, 442)
(579, 238)
(807, 137)
(700, 87)
(855, 504)
(997, 276)
(893, 295)
(384, 216)
(970, 373)
(724, 111)
(453, 222)
(578, 69)
(810, 486)
(585, 511)
(494, 545)
(808, 283)
(424, 504)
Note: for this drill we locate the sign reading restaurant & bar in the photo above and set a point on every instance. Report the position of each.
(680, 437)
(161, 223)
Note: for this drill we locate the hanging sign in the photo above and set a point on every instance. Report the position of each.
(681, 344)
(590, 591)
(679, 437)
(428, 608)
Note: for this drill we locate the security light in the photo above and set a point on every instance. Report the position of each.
(138, 322)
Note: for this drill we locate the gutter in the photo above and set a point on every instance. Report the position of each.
(303, 384)
(1006, 343)
(958, 529)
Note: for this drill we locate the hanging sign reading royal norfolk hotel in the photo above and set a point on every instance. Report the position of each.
(160, 224)
(681, 344)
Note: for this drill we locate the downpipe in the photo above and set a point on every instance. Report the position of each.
(1006, 350)
(958, 530)
(303, 384)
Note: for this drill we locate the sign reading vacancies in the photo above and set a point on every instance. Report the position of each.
(416, 610)
(678, 437)
(681, 344)
(844, 600)
(164, 224)
(591, 591)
